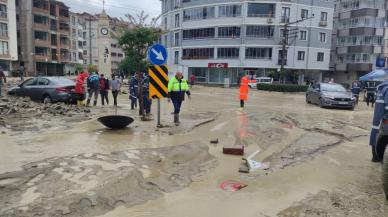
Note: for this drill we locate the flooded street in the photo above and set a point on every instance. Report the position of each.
(319, 161)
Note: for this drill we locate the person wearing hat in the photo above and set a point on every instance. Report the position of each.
(177, 88)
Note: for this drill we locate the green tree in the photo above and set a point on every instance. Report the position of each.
(135, 43)
(79, 68)
(92, 68)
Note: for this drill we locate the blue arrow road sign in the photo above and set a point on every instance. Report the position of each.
(157, 54)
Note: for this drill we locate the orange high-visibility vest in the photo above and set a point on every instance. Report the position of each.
(244, 88)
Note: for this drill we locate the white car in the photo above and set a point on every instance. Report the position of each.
(261, 80)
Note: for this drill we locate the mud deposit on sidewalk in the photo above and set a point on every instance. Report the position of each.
(92, 184)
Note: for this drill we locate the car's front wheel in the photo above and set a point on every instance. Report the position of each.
(307, 100)
(385, 172)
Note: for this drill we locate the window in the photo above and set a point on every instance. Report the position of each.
(176, 57)
(304, 14)
(285, 14)
(176, 4)
(229, 32)
(322, 37)
(198, 53)
(198, 33)
(228, 53)
(261, 10)
(323, 16)
(43, 81)
(200, 13)
(260, 31)
(258, 53)
(230, 11)
(303, 35)
(3, 30)
(177, 20)
(301, 55)
(320, 57)
(4, 48)
(176, 39)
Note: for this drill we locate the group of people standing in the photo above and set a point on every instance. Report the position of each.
(92, 85)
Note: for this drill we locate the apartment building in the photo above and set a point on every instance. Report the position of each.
(43, 36)
(77, 41)
(92, 33)
(217, 40)
(8, 35)
(358, 38)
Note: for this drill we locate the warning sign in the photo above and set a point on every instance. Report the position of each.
(158, 81)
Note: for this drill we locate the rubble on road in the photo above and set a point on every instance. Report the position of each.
(20, 113)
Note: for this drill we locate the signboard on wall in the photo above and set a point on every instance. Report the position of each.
(218, 65)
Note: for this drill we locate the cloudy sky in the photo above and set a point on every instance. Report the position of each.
(116, 8)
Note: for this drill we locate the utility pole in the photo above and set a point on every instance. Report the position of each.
(285, 44)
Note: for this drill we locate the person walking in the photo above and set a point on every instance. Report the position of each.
(21, 72)
(370, 93)
(104, 87)
(133, 93)
(244, 90)
(177, 88)
(356, 90)
(380, 110)
(2, 78)
(93, 88)
(192, 80)
(80, 87)
(140, 88)
(116, 85)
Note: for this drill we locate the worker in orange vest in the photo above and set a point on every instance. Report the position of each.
(243, 90)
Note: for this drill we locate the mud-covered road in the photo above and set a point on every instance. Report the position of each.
(66, 164)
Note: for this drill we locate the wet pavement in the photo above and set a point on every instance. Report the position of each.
(319, 161)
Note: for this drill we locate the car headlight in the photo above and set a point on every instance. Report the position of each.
(329, 97)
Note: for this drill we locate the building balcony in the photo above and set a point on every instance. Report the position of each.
(40, 10)
(42, 43)
(42, 58)
(41, 26)
(5, 56)
(3, 15)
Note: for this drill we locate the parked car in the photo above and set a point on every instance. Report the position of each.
(330, 95)
(46, 89)
(261, 80)
(381, 152)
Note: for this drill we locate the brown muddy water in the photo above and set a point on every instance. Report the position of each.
(320, 162)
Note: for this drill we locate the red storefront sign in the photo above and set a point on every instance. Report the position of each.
(218, 65)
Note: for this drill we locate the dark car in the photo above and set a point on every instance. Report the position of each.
(330, 95)
(381, 151)
(46, 89)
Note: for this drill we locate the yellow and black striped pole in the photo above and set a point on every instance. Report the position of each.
(158, 87)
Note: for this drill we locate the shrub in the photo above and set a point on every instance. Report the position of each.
(283, 87)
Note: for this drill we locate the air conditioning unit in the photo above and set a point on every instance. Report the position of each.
(323, 23)
(269, 20)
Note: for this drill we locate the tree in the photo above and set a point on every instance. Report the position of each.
(79, 68)
(92, 68)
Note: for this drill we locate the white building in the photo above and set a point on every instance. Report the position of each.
(215, 39)
(8, 35)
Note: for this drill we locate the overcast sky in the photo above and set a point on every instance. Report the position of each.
(116, 8)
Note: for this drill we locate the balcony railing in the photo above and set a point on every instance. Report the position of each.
(285, 19)
(280, 62)
(3, 15)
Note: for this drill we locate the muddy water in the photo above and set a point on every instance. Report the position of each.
(311, 150)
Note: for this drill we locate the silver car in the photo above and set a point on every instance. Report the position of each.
(46, 89)
(330, 95)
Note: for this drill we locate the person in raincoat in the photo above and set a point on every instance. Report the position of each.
(80, 87)
(381, 108)
(243, 90)
(177, 88)
(356, 88)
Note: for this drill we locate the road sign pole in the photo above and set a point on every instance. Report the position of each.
(159, 124)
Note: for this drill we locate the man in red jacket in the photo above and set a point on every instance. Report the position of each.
(80, 87)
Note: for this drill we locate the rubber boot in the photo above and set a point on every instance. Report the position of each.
(88, 102)
(176, 119)
(95, 103)
(242, 103)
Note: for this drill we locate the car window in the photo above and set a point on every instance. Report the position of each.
(30, 82)
(43, 81)
(332, 88)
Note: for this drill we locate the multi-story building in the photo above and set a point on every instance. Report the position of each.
(217, 40)
(358, 38)
(91, 37)
(77, 28)
(44, 36)
(8, 35)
